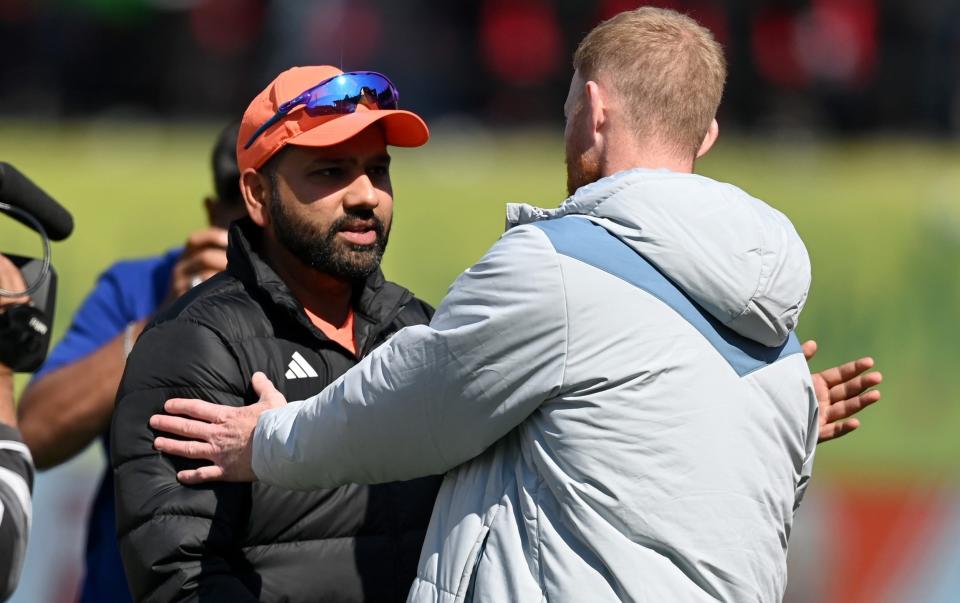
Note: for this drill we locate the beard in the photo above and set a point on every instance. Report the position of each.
(321, 249)
(583, 167)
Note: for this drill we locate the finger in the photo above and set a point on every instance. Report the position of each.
(179, 283)
(208, 237)
(847, 408)
(204, 275)
(11, 279)
(198, 409)
(183, 284)
(265, 389)
(855, 386)
(833, 431)
(201, 475)
(844, 372)
(194, 267)
(190, 449)
(205, 260)
(809, 349)
(198, 430)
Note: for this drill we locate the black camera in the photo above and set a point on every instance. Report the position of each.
(25, 329)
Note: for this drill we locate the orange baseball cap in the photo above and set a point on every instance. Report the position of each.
(402, 128)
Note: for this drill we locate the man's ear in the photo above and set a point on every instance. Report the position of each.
(255, 190)
(596, 108)
(711, 137)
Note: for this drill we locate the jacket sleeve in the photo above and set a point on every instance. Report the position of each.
(178, 543)
(434, 396)
(16, 484)
(813, 432)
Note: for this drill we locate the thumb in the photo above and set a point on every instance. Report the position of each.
(809, 349)
(264, 388)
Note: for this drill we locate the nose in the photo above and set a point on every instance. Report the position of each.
(361, 194)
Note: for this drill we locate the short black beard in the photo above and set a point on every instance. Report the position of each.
(323, 251)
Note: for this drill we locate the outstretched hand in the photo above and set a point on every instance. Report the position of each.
(842, 391)
(217, 433)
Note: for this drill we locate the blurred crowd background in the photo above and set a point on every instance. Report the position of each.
(848, 66)
(845, 114)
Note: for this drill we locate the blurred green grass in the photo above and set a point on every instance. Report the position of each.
(881, 219)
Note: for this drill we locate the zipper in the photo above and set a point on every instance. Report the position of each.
(377, 334)
(468, 581)
(471, 588)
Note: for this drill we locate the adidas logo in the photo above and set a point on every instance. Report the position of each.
(299, 368)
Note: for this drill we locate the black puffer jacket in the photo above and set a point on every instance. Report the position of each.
(243, 542)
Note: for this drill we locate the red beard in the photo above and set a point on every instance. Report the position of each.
(581, 169)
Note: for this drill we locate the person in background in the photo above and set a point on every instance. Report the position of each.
(69, 401)
(16, 465)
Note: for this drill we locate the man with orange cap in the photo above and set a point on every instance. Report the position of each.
(302, 298)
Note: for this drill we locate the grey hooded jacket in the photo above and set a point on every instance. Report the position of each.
(615, 392)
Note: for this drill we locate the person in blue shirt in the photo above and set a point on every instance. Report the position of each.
(70, 400)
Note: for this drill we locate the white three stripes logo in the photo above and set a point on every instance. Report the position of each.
(299, 368)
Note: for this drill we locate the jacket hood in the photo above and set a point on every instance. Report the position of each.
(734, 255)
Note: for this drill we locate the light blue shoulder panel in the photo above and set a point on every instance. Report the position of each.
(591, 244)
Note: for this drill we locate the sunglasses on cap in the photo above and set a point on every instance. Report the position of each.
(339, 95)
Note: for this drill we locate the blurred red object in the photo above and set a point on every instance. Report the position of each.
(838, 41)
(708, 13)
(521, 41)
(344, 34)
(17, 11)
(226, 27)
(832, 41)
(774, 52)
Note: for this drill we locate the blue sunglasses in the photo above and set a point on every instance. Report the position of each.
(339, 95)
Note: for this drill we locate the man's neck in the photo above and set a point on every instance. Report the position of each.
(323, 296)
(623, 153)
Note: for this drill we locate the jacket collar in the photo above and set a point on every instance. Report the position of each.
(589, 200)
(376, 301)
(737, 257)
